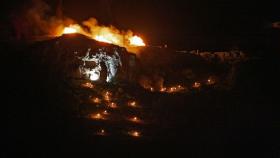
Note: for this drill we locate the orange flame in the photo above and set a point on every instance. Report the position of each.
(102, 39)
(75, 28)
(106, 34)
(136, 41)
(69, 30)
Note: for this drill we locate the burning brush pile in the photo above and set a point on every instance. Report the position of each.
(36, 23)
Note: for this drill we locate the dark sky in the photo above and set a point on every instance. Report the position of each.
(193, 16)
(187, 20)
(168, 20)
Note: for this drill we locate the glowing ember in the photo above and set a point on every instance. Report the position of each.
(196, 85)
(132, 103)
(69, 30)
(107, 96)
(97, 116)
(210, 81)
(96, 100)
(101, 132)
(163, 89)
(105, 112)
(112, 105)
(175, 89)
(87, 85)
(135, 119)
(136, 41)
(134, 133)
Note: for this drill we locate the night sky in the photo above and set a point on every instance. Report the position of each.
(174, 21)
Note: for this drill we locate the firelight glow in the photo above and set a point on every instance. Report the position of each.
(136, 41)
(132, 104)
(94, 76)
(87, 85)
(102, 39)
(69, 30)
(97, 116)
(134, 133)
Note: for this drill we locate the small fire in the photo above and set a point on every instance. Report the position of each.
(112, 105)
(136, 41)
(196, 85)
(134, 133)
(132, 104)
(135, 119)
(97, 116)
(69, 30)
(96, 100)
(87, 85)
(105, 112)
(107, 96)
(175, 89)
(101, 132)
(210, 81)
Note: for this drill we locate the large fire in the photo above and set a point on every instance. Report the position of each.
(105, 34)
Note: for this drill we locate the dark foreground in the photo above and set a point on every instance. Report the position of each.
(41, 119)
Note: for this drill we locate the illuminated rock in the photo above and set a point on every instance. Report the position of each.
(79, 57)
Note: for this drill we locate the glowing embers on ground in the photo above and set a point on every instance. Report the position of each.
(133, 104)
(211, 81)
(96, 100)
(87, 85)
(136, 41)
(135, 119)
(172, 89)
(105, 112)
(112, 105)
(97, 116)
(107, 96)
(134, 133)
(101, 132)
(196, 85)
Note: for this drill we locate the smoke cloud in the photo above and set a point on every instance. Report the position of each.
(38, 20)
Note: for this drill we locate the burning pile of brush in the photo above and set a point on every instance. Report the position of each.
(105, 34)
(36, 21)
